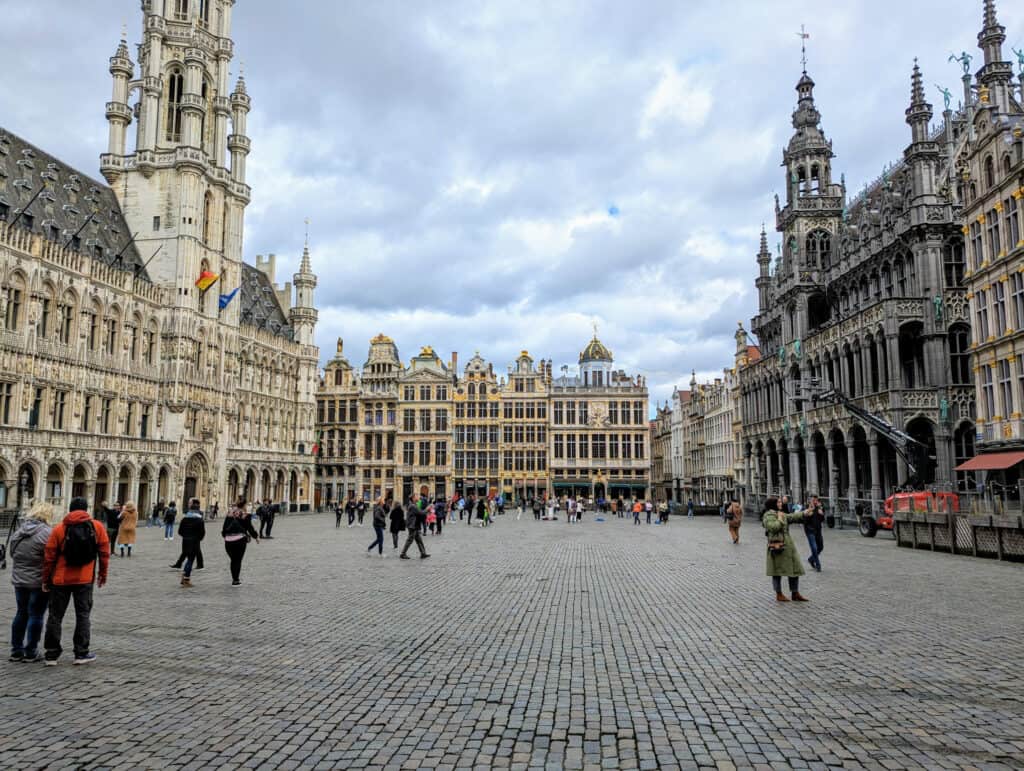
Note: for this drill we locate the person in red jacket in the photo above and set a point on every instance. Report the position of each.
(69, 570)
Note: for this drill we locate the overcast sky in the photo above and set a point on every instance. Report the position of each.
(495, 176)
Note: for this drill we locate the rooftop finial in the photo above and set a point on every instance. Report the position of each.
(990, 14)
(124, 32)
(916, 87)
(804, 36)
(307, 231)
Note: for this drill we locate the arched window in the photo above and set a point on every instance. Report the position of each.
(175, 89)
(1007, 163)
(819, 249)
(960, 354)
(46, 308)
(815, 180)
(15, 297)
(66, 318)
(207, 215)
(802, 179)
(990, 171)
(471, 390)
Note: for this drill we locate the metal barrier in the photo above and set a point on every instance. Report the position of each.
(977, 535)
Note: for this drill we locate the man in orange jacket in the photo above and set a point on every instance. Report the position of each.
(69, 569)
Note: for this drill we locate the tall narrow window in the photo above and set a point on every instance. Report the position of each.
(6, 399)
(1011, 226)
(13, 315)
(953, 262)
(960, 355)
(204, 13)
(999, 320)
(181, 10)
(45, 311)
(995, 244)
(1005, 387)
(175, 89)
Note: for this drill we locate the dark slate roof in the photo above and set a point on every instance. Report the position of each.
(64, 206)
(259, 305)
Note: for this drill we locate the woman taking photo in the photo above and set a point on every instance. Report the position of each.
(782, 558)
(237, 532)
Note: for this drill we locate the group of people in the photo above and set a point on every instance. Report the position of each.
(416, 518)
(55, 564)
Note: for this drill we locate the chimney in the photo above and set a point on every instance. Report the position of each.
(455, 362)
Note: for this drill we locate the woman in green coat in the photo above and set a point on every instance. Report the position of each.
(786, 561)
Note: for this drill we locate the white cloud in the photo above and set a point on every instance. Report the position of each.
(680, 97)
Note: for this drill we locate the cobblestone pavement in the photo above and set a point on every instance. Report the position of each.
(533, 644)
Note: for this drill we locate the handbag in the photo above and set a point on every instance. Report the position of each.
(776, 547)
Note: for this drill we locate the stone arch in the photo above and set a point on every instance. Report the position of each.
(28, 481)
(144, 499)
(55, 486)
(923, 430)
(196, 480)
(125, 478)
(163, 484)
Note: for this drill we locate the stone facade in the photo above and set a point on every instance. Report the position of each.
(337, 417)
(600, 437)
(661, 455)
(678, 447)
(865, 297)
(477, 419)
(124, 380)
(424, 437)
(525, 426)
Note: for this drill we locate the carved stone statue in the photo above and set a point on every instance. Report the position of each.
(944, 410)
(1020, 59)
(964, 59)
(937, 302)
(947, 95)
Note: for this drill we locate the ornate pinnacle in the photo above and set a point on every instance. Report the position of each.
(990, 14)
(917, 88)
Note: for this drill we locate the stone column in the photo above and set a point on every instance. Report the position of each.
(851, 470)
(844, 374)
(833, 475)
(858, 373)
(770, 481)
(892, 344)
(876, 475)
(796, 488)
(811, 459)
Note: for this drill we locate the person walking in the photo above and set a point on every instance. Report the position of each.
(536, 505)
(70, 558)
(380, 515)
(814, 518)
(158, 514)
(397, 517)
(648, 508)
(350, 509)
(112, 520)
(413, 523)
(193, 506)
(128, 521)
(782, 559)
(338, 511)
(481, 510)
(734, 519)
(273, 509)
(439, 509)
(689, 509)
(637, 508)
(170, 514)
(263, 512)
(237, 532)
(27, 549)
(192, 531)
(361, 511)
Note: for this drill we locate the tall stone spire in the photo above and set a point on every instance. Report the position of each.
(922, 154)
(919, 113)
(995, 76)
(303, 315)
(119, 114)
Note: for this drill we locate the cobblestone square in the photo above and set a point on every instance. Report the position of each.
(533, 645)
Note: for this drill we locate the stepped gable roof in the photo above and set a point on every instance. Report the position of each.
(67, 200)
(259, 305)
(595, 351)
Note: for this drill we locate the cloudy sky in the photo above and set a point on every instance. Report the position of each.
(495, 176)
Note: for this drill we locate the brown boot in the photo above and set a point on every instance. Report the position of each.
(186, 582)
(797, 597)
(781, 597)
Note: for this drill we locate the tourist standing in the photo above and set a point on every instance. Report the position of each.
(814, 518)
(170, 514)
(782, 559)
(413, 523)
(648, 508)
(69, 570)
(128, 521)
(193, 507)
(157, 514)
(734, 519)
(338, 511)
(397, 517)
(689, 509)
(637, 508)
(263, 512)
(431, 519)
(192, 531)
(27, 549)
(237, 532)
(380, 515)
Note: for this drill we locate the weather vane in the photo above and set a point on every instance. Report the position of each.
(804, 37)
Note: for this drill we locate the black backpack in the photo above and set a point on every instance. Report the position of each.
(80, 547)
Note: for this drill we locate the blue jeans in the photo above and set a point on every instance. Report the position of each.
(816, 548)
(28, 618)
(169, 530)
(188, 566)
(379, 542)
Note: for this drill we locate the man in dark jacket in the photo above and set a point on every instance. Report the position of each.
(397, 517)
(192, 531)
(193, 506)
(112, 520)
(266, 513)
(813, 520)
(414, 517)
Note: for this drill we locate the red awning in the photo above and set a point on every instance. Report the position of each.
(992, 461)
